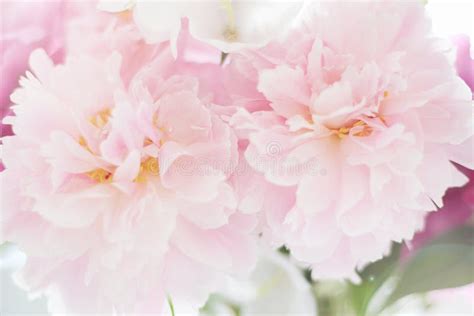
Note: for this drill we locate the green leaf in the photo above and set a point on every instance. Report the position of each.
(372, 278)
(379, 269)
(4, 247)
(284, 250)
(460, 235)
(217, 299)
(446, 262)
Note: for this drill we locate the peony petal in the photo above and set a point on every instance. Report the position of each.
(286, 89)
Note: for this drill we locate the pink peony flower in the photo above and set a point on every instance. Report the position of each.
(26, 26)
(98, 33)
(116, 186)
(457, 210)
(464, 62)
(366, 115)
(458, 202)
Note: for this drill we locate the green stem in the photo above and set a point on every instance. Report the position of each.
(170, 303)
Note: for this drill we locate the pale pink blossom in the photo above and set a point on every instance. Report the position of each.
(458, 206)
(458, 209)
(464, 61)
(118, 191)
(366, 115)
(26, 26)
(98, 33)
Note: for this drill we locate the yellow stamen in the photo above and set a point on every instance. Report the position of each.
(154, 119)
(343, 132)
(141, 177)
(101, 119)
(147, 142)
(83, 142)
(125, 15)
(149, 166)
(386, 94)
(230, 32)
(366, 131)
(100, 175)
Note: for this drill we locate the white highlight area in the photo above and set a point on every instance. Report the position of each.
(452, 17)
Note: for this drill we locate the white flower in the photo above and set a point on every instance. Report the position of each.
(443, 302)
(13, 299)
(227, 24)
(453, 301)
(275, 287)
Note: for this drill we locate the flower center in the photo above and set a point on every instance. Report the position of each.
(230, 32)
(149, 166)
(100, 175)
(101, 119)
(363, 127)
(344, 131)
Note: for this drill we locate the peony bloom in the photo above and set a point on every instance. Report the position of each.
(458, 202)
(366, 115)
(26, 26)
(464, 61)
(118, 192)
(225, 24)
(458, 209)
